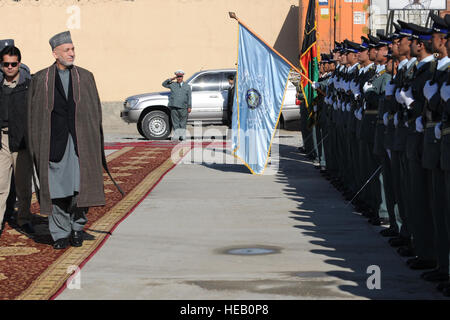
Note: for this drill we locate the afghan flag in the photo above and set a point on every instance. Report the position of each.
(309, 59)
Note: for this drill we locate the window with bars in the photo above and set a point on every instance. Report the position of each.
(359, 17)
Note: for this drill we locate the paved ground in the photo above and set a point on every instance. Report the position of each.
(174, 245)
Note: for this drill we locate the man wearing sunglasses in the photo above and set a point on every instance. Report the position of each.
(180, 104)
(13, 153)
(23, 68)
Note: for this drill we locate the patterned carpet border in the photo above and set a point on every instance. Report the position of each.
(53, 281)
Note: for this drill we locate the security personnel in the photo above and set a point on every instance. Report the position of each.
(379, 150)
(331, 141)
(373, 94)
(443, 132)
(366, 72)
(320, 109)
(389, 133)
(413, 101)
(401, 176)
(431, 116)
(180, 104)
(350, 121)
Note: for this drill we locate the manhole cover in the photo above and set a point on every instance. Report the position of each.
(250, 250)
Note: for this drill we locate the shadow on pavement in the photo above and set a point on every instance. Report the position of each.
(347, 241)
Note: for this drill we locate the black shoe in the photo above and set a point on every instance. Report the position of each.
(76, 238)
(423, 265)
(441, 286)
(301, 150)
(405, 252)
(375, 221)
(389, 233)
(446, 292)
(27, 228)
(412, 260)
(435, 276)
(398, 242)
(61, 244)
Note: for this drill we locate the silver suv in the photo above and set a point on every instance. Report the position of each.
(209, 105)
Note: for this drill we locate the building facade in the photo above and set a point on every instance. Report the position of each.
(133, 46)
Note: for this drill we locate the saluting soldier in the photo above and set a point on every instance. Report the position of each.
(180, 104)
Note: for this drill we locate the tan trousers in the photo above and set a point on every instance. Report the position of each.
(20, 162)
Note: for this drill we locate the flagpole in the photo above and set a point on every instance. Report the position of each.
(233, 16)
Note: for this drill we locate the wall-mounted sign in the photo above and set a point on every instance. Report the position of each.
(417, 4)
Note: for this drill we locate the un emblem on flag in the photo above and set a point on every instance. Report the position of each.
(253, 98)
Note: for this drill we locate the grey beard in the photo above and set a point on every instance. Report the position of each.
(65, 63)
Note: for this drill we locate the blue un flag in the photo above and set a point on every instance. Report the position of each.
(262, 79)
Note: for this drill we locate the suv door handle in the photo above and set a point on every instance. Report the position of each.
(213, 96)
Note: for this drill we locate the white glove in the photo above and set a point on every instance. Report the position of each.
(437, 131)
(367, 86)
(385, 118)
(356, 95)
(365, 106)
(348, 107)
(355, 89)
(430, 90)
(359, 114)
(352, 86)
(396, 120)
(398, 97)
(389, 153)
(406, 124)
(315, 85)
(419, 125)
(389, 90)
(315, 108)
(445, 91)
(347, 86)
(407, 97)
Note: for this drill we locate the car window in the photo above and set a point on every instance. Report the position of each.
(207, 82)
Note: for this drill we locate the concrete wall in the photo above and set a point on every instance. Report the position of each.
(132, 46)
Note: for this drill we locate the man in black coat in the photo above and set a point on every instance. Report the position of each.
(230, 100)
(13, 153)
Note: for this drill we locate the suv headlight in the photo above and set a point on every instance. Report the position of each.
(130, 104)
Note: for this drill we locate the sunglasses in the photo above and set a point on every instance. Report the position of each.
(7, 64)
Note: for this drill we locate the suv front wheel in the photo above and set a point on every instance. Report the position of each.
(155, 125)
